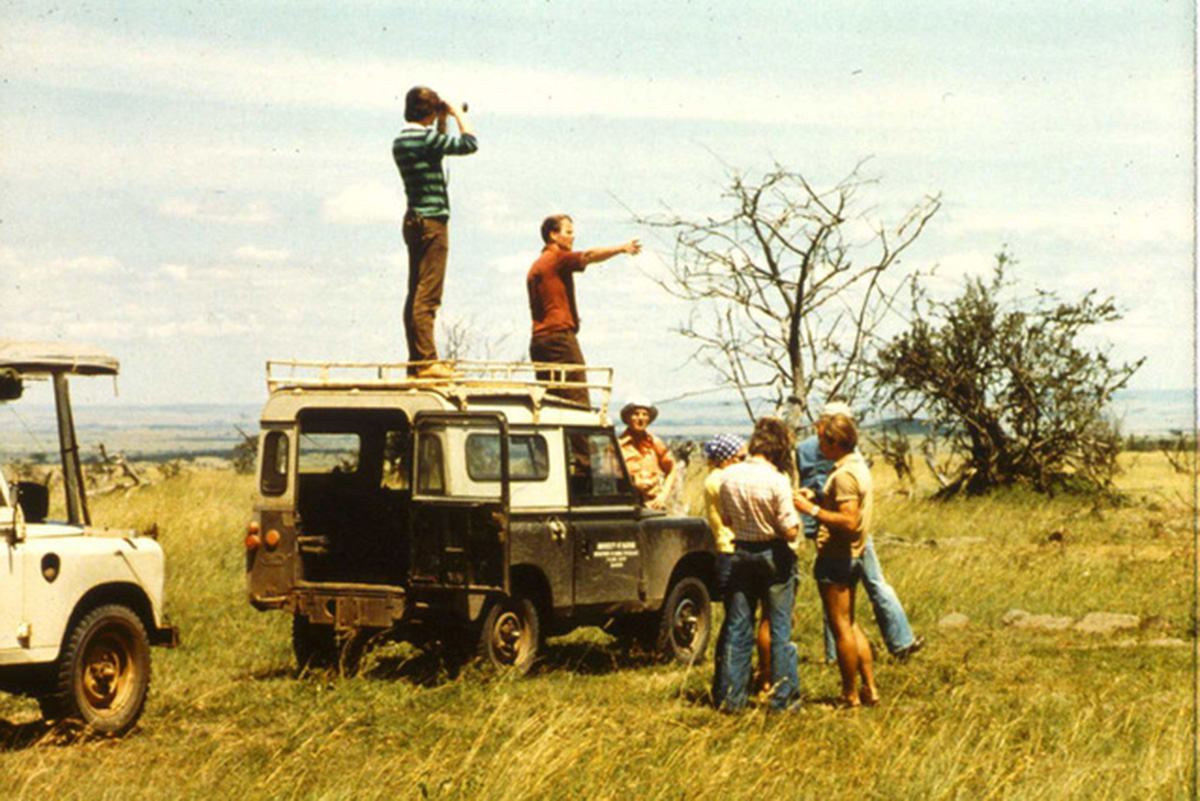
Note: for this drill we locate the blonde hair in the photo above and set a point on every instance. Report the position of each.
(840, 430)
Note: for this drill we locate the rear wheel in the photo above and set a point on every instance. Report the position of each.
(685, 622)
(103, 675)
(508, 639)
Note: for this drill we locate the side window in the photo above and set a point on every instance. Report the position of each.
(528, 457)
(274, 463)
(597, 472)
(431, 472)
(328, 453)
(395, 475)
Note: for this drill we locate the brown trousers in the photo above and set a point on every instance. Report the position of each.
(561, 348)
(428, 241)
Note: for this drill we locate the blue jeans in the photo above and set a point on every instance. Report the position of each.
(889, 614)
(765, 572)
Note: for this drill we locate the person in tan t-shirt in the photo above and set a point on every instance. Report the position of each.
(845, 519)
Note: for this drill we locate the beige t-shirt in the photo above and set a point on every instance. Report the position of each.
(850, 480)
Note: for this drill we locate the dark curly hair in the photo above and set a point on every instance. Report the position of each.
(774, 441)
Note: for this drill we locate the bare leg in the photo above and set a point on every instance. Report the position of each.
(837, 599)
(870, 693)
(762, 677)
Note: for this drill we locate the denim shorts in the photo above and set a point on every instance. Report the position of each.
(832, 570)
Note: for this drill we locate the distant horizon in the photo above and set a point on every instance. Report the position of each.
(155, 431)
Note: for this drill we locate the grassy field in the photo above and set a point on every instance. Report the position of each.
(986, 711)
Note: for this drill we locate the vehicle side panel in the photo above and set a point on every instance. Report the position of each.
(84, 564)
(670, 540)
(541, 541)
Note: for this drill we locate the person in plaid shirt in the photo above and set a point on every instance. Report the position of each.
(756, 504)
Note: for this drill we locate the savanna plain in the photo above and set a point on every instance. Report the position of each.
(992, 708)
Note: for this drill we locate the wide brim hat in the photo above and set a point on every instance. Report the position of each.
(635, 404)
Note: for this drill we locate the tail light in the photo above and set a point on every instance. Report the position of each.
(253, 541)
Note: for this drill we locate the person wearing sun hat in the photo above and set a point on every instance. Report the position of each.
(649, 460)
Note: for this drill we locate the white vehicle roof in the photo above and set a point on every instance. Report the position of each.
(508, 387)
(56, 357)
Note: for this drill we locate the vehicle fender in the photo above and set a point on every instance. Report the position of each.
(676, 546)
(529, 581)
(87, 572)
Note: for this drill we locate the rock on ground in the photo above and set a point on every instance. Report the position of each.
(1106, 622)
(1021, 619)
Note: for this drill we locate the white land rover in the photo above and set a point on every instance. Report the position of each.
(79, 605)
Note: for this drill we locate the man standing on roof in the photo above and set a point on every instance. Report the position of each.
(418, 152)
(551, 285)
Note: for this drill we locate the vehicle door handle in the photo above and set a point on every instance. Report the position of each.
(558, 530)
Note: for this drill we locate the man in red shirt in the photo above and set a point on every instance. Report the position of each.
(551, 285)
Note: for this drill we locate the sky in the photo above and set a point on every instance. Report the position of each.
(200, 187)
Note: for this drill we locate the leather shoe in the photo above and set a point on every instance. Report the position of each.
(436, 370)
(904, 653)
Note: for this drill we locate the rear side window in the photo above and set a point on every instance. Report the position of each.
(275, 463)
(329, 453)
(528, 457)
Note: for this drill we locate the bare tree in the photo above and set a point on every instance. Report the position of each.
(789, 285)
(465, 339)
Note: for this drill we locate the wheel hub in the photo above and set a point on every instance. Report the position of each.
(687, 621)
(506, 637)
(105, 672)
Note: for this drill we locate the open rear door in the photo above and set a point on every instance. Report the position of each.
(460, 503)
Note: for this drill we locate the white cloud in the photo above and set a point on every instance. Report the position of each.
(253, 212)
(515, 264)
(256, 254)
(179, 272)
(1132, 223)
(368, 202)
(85, 265)
(499, 213)
(89, 58)
(204, 327)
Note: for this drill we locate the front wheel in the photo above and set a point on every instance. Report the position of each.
(685, 622)
(103, 675)
(508, 639)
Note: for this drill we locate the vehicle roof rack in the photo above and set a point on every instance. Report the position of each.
(471, 377)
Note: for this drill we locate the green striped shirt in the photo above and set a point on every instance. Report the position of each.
(418, 152)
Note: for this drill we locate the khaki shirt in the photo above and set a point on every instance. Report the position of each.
(850, 480)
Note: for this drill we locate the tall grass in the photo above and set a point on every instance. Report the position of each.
(987, 711)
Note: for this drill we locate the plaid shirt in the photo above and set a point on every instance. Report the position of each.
(756, 501)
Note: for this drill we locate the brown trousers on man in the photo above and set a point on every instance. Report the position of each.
(428, 240)
(561, 347)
